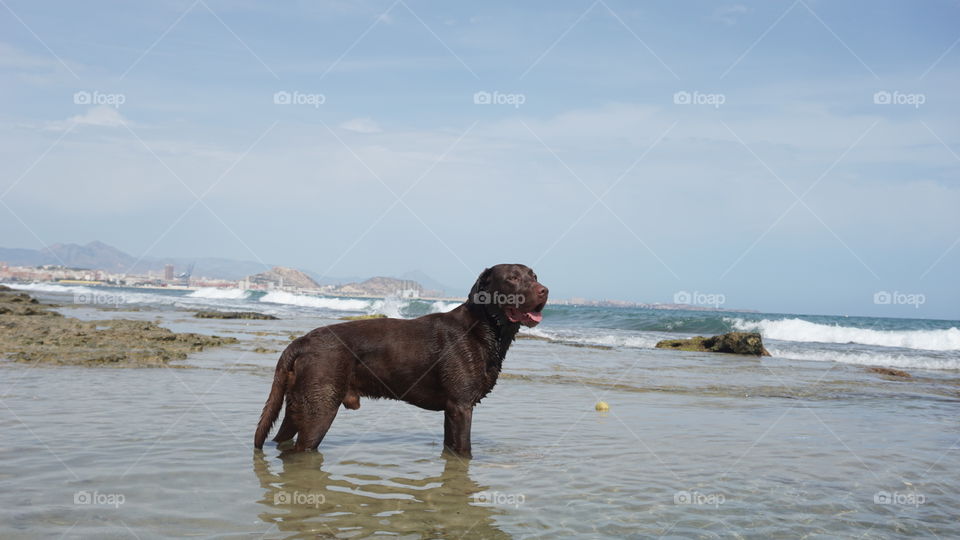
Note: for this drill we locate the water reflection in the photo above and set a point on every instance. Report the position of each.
(365, 499)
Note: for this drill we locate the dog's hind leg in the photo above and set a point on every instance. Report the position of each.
(288, 428)
(320, 409)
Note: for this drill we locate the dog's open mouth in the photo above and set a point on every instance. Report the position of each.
(526, 318)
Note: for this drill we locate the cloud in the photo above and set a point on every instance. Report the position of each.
(728, 14)
(101, 116)
(361, 125)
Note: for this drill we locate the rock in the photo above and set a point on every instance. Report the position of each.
(747, 343)
(889, 372)
(32, 332)
(363, 317)
(234, 315)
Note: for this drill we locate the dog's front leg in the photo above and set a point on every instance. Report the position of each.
(456, 429)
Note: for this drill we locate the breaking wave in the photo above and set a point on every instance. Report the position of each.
(219, 293)
(806, 331)
(323, 302)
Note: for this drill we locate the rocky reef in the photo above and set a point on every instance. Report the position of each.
(747, 343)
(363, 317)
(32, 332)
(889, 372)
(234, 315)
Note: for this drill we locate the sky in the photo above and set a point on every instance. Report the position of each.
(796, 157)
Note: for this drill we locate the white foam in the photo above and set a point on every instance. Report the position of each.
(219, 293)
(443, 307)
(391, 307)
(49, 287)
(323, 302)
(806, 331)
(606, 340)
(904, 361)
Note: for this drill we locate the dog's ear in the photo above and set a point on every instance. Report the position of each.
(481, 285)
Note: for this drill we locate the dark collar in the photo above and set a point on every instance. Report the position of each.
(504, 331)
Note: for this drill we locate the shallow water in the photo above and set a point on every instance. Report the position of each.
(694, 446)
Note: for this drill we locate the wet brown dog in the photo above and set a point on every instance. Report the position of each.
(441, 362)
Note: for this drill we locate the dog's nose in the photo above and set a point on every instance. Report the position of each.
(542, 291)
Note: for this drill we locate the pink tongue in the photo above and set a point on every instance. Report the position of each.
(532, 318)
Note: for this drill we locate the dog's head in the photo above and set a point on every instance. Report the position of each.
(512, 289)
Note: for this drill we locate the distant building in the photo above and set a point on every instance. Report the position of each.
(168, 272)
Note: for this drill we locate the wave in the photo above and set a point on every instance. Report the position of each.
(391, 307)
(443, 307)
(806, 331)
(219, 293)
(633, 341)
(322, 302)
(49, 287)
(903, 361)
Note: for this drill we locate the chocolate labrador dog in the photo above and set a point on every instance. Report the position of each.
(440, 362)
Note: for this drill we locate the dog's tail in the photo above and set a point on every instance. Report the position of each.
(271, 409)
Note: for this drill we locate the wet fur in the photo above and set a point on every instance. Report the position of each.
(440, 362)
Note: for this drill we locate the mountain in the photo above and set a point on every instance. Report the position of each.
(95, 255)
(434, 285)
(323, 279)
(386, 286)
(23, 257)
(281, 276)
(100, 256)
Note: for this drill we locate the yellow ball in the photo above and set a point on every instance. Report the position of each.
(602, 406)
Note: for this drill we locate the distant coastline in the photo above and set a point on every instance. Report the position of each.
(373, 296)
(98, 264)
